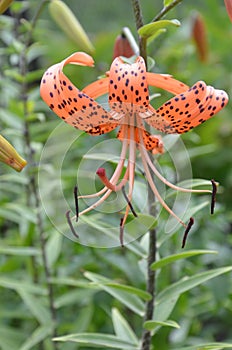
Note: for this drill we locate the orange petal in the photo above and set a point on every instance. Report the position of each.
(128, 89)
(189, 109)
(68, 102)
(166, 82)
(97, 88)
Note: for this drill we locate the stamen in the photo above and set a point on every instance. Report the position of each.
(213, 198)
(75, 192)
(190, 224)
(166, 182)
(70, 224)
(121, 232)
(128, 202)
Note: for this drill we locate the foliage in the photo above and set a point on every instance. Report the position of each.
(83, 296)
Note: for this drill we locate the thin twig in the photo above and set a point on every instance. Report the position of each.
(165, 10)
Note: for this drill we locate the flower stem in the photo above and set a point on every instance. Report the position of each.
(165, 10)
(146, 336)
(32, 190)
(139, 23)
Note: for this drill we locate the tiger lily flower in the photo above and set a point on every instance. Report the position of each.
(130, 110)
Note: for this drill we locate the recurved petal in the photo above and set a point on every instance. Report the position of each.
(71, 104)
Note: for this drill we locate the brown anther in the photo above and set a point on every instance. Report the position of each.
(190, 224)
(75, 192)
(67, 214)
(213, 198)
(128, 202)
(121, 232)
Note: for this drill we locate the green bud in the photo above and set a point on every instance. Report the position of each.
(10, 156)
(70, 25)
(4, 4)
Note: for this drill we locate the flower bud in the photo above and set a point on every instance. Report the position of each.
(200, 37)
(122, 47)
(70, 25)
(4, 4)
(10, 156)
(228, 4)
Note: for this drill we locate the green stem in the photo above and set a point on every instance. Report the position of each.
(139, 23)
(32, 186)
(165, 10)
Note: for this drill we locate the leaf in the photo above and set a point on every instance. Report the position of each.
(98, 339)
(132, 301)
(167, 299)
(20, 251)
(22, 285)
(36, 308)
(36, 337)
(141, 293)
(151, 325)
(122, 328)
(207, 346)
(53, 248)
(190, 282)
(10, 338)
(150, 29)
(167, 2)
(186, 254)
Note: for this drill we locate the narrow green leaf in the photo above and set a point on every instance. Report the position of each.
(207, 346)
(136, 291)
(36, 337)
(150, 29)
(186, 254)
(10, 338)
(21, 251)
(36, 308)
(132, 301)
(151, 325)
(122, 328)
(167, 2)
(156, 35)
(98, 339)
(189, 282)
(53, 248)
(22, 285)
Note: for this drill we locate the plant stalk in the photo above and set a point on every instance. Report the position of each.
(165, 10)
(33, 186)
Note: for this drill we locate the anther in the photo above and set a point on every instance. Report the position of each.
(213, 198)
(128, 202)
(67, 214)
(121, 232)
(190, 224)
(75, 192)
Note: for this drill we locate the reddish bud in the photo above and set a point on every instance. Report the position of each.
(200, 37)
(228, 4)
(122, 47)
